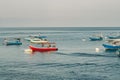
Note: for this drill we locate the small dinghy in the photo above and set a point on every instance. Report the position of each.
(96, 38)
(16, 41)
(13, 43)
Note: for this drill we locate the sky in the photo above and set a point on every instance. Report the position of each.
(59, 13)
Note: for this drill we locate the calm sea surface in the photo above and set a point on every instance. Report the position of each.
(76, 58)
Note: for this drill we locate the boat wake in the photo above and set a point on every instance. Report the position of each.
(87, 55)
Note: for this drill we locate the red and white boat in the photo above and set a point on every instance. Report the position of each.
(43, 49)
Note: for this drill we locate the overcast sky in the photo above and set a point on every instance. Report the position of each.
(59, 13)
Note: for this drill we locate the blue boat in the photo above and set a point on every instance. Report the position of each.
(13, 43)
(40, 37)
(96, 38)
(114, 37)
(111, 47)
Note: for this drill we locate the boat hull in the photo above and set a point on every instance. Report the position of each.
(95, 38)
(43, 49)
(114, 37)
(13, 43)
(111, 47)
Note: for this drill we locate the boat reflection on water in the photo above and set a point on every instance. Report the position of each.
(118, 52)
(110, 50)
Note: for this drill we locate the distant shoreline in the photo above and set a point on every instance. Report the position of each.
(60, 28)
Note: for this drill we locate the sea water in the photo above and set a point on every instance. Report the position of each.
(76, 58)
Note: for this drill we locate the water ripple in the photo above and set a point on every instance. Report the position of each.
(87, 55)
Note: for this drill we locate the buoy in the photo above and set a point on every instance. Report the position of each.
(28, 51)
(83, 40)
(97, 49)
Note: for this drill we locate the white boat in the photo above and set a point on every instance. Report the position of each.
(112, 40)
(38, 41)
